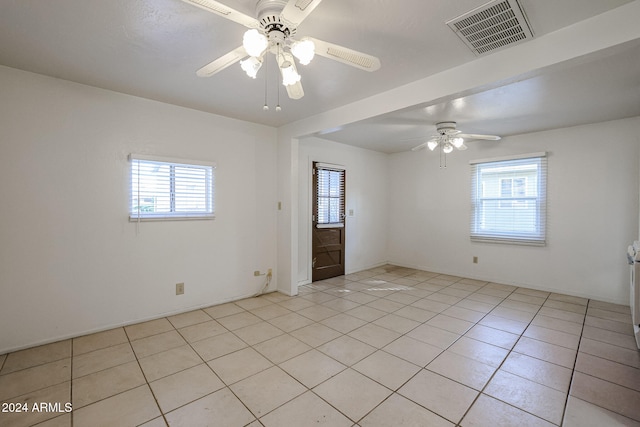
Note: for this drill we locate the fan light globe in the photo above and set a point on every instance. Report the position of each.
(432, 145)
(447, 148)
(289, 75)
(254, 42)
(251, 66)
(457, 142)
(304, 50)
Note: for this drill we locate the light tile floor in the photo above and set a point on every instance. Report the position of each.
(385, 347)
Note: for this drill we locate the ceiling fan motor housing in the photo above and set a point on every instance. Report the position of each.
(446, 128)
(268, 13)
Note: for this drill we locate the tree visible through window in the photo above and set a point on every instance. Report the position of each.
(508, 198)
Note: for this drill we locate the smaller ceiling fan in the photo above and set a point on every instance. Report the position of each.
(273, 31)
(449, 137)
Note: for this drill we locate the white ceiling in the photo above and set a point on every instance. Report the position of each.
(152, 48)
(601, 87)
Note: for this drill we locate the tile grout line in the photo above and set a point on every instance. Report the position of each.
(343, 334)
(71, 382)
(347, 367)
(609, 360)
(502, 363)
(144, 375)
(226, 386)
(575, 362)
(440, 353)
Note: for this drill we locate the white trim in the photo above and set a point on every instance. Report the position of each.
(187, 217)
(505, 158)
(516, 241)
(152, 158)
(331, 225)
(330, 166)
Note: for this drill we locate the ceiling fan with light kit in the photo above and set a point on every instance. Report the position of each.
(273, 31)
(449, 137)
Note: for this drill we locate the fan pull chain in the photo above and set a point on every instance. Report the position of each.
(445, 157)
(278, 108)
(265, 107)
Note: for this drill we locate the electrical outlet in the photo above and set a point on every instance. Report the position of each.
(475, 259)
(179, 288)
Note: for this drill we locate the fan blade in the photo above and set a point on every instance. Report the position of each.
(295, 91)
(346, 55)
(225, 12)
(297, 10)
(223, 62)
(475, 136)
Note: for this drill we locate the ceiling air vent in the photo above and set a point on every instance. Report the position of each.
(493, 26)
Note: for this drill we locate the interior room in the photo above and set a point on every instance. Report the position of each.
(114, 311)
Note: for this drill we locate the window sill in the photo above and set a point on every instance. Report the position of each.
(509, 241)
(170, 218)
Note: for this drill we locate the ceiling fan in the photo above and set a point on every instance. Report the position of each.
(272, 31)
(449, 137)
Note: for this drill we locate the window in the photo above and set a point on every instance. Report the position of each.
(508, 199)
(512, 189)
(330, 184)
(170, 189)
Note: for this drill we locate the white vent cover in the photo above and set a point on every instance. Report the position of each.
(495, 25)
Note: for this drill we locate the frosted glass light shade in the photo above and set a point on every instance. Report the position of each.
(304, 50)
(447, 148)
(432, 145)
(254, 42)
(289, 75)
(457, 142)
(251, 66)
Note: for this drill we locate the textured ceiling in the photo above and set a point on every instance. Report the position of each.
(152, 49)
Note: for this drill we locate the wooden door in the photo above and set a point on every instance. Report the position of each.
(328, 221)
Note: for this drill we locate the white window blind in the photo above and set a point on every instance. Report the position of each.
(330, 192)
(508, 199)
(164, 188)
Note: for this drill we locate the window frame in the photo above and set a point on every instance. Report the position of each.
(479, 196)
(173, 195)
(340, 199)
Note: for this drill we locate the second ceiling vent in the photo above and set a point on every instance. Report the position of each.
(493, 26)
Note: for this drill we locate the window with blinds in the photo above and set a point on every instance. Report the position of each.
(508, 199)
(170, 189)
(330, 195)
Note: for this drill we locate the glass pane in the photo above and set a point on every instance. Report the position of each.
(330, 195)
(150, 188)
(190, 189)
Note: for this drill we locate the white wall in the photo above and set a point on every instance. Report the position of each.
(592, 212)
(558, 48)
(70, 261)
(366, 195)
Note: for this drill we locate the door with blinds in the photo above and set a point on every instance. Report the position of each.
(328, 221)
